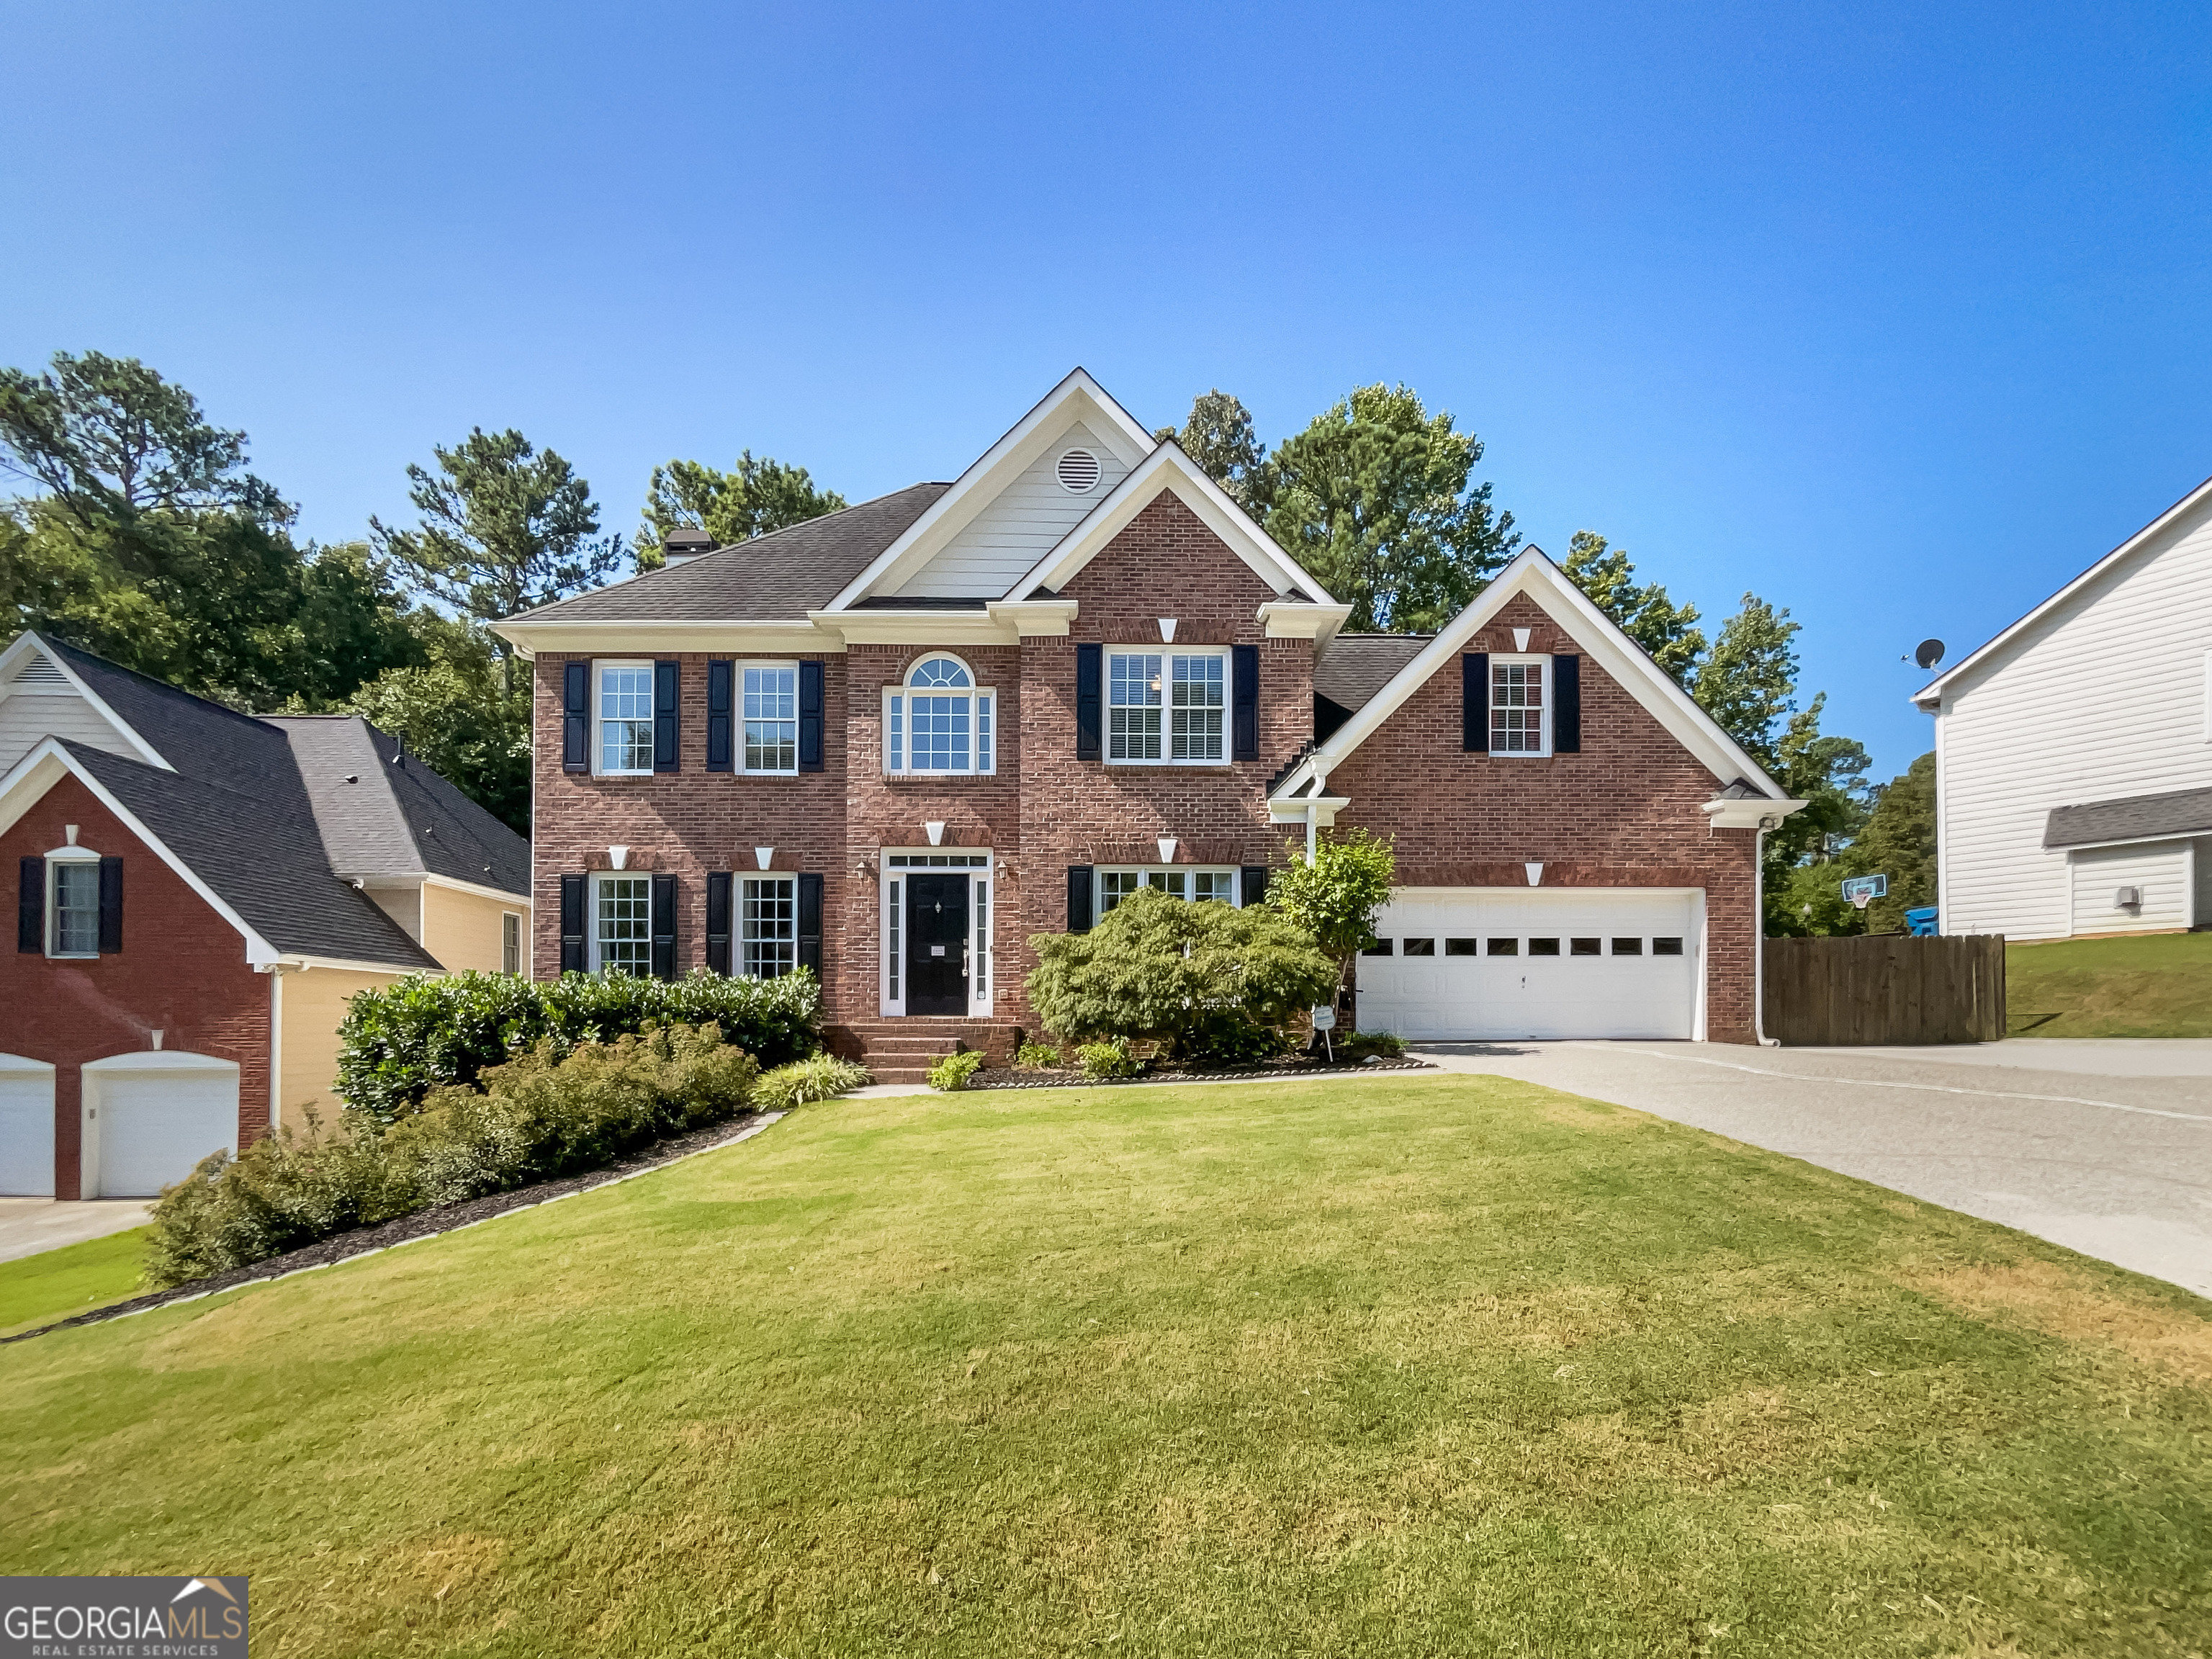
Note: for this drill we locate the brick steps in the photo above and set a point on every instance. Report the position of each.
(902, 1050)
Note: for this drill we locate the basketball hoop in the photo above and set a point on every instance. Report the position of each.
(1861, 899)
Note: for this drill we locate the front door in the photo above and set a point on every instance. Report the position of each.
(936, 944)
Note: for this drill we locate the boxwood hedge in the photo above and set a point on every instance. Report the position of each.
(398, 1044)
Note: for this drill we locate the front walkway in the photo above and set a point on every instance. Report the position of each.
(28, 1226)
(2104, 1147)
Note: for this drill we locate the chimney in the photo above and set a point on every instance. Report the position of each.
(682, 546)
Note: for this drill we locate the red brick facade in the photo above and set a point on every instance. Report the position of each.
(1625, 811)
(182, 971)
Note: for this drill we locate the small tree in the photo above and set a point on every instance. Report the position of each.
(1158, 967)
(1333, 895)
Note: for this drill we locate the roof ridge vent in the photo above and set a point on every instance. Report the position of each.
(38, 670)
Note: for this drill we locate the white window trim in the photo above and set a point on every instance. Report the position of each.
(592, 959)
(982, 943)
(1143, 872)
(743, 880)
(1167, 652)
(79, 856)
(599, 667)
(522, 941)
(1498, 659)
(737, 718)
(975, 691)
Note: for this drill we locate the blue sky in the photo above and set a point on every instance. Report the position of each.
(1895, 314)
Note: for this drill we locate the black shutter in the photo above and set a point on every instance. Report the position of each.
(1566, 705)
(573, 960)
(664, 927)
(718, 918)
(576, 717)
(810, 923)
(1244, 703)
(1475, 702)
(719, 751)
(810, 717)
(1078, 898)
(31, 914)
(1090, 695)
(1253, 881)
(111, 906)
(667, 684)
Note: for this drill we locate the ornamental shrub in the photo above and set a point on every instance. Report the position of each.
(425, 1031)
(1036, 1057)
(1107, 1059)
(818, 1078)
(545, 1114)
(1335, 895)
(1157, 968)
(1229, 1039)
(951, 1073)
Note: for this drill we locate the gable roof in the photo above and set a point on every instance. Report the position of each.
(2129, 817)
(1357, 667)
(778, 577)
(1534, 575)
(2055, 608)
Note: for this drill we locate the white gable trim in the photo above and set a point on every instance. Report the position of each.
(1078, 398)
(28, 642)
(1931, 695)
(1168, 467)
(1599, 636)
(31, 777)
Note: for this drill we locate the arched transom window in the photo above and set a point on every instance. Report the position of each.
(939, 720)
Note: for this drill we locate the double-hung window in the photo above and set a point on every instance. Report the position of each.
(768, 925)
(625, 717)
(770, 698)
(1167, 708)
(939, 719)
(622, 924)
(1520, 706)
(1181, 881)
(73, 906)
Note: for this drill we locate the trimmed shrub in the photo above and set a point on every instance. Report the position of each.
(1360, 1044)
(1036, 1057)
(424, 1031)
(1229, 1039)
(1106, 1059)
(803, 1080)
(951, 1073)
(543, 1115)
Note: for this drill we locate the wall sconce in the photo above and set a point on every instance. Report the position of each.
(618, 858)
(935, 830)
(763, 856)
(1167, 849)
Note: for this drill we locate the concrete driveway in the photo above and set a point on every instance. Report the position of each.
(2104, 1147)
(28, 1226)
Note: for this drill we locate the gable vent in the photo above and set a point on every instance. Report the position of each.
(40, 670)
(1077, 471)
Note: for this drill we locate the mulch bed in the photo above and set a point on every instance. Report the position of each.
(423, 1224)
(1292, 1066)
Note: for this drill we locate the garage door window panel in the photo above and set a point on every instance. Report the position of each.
(1628, 947)
(1666, 947)
(1420, 947)
(1587, 947)
(1543, 947)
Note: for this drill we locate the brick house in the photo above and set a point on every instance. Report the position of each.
(199, 892)
(895, 743)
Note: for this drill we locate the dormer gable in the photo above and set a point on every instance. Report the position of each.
(42, 694)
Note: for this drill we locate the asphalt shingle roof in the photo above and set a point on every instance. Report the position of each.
(1358, 665)
(2130, 818)
(778, 577)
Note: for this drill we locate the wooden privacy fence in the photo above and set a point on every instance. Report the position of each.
(1890, 988)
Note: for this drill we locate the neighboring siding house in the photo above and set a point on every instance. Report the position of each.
(894, 743)
(199, 893)
(2074, 752)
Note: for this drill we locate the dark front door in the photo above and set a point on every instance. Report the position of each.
(936, 944)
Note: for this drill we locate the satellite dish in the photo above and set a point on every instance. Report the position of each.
(1928, 653)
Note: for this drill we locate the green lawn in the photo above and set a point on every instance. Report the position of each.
(2157, 985)
(1407, 1365)
(37, 1290)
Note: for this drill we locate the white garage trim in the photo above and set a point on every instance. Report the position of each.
(206, 1087)
(27, 1127)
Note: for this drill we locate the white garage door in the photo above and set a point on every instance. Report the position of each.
(1509, 963)
(27, 1127)
(157, 1117)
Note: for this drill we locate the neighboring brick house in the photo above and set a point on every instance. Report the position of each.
(199, 891)
(895, 743)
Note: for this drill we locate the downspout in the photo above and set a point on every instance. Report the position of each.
(276, 1046)
(1759, 934)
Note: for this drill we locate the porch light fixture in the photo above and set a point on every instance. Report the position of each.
(1535, 874)
(1167, 631)
(1167, 849)
(763, 856)
(935, 830)
(618, 858)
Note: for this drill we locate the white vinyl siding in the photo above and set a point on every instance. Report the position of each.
(1016, 529)
(28, 716)
(2159, 871)
(2013, 744)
